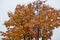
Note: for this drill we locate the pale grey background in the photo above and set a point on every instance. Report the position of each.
(9, 5)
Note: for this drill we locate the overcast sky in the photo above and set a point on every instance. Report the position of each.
(9, 5)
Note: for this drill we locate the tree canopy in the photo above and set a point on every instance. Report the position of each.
(25, 24)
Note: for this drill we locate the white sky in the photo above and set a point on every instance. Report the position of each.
(9, 5)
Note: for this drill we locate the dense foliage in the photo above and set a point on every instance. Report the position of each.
(31, 22)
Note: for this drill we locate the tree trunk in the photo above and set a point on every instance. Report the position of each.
(44, 38)
(24, 38)
(38, 34)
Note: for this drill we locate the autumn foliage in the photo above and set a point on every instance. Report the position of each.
(25, 24)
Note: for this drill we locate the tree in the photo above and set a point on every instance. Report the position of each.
(25, 24)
